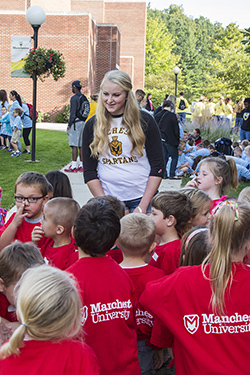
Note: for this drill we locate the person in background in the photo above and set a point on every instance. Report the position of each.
(149, 105)
(181, 107)
(27, 126)
(139, 95)
(6, 132)
(16, 131)
(61, 184)
(92, 106)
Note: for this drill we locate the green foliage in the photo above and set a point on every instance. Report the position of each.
(44, 116)
(63, 116)
(45, 62)
(52, 151)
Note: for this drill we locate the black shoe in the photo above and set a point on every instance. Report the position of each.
(26, 152)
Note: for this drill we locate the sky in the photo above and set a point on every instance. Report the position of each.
(225, 12)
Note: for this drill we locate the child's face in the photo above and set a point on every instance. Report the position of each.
(180, 152)
(8, 292)
(4, 110)
(237, 153)
(15, 114)
(47, 223)
(185, 136)
(202, 218)
(158, 219)
(33, 210)
(205, 180)
(195, 133)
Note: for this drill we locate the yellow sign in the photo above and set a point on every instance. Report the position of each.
(20, 47)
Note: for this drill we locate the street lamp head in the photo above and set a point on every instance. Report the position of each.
(176, 70)
(35, 15)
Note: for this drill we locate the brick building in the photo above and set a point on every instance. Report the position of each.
(94, 36)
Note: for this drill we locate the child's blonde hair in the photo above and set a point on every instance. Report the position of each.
(130, 118)
(198, 199)
(244, 196)
(64, 211)
(229, 233)
(247, 150)
(223, 168)
(137, 234)
(48, 306)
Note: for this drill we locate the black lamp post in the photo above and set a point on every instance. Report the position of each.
(176, 71)
(35, 15)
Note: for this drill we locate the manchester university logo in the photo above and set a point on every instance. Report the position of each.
(191, 323)
(115, 146)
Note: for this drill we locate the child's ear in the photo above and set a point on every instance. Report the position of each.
(2, 287)
(72, 233)
(152, 247)
(218, 180)
(45, 200)
(60, 229)
(171, 221)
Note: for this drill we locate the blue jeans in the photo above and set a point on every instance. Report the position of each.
(244, 135)
(133, 203)
(168, 151)
(182, 117)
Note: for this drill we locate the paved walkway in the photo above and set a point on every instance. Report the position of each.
(80, 190)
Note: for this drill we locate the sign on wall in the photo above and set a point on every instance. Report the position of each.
(20, 47)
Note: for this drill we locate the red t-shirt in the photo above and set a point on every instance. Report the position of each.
(60, 257)
(24, 231)
(5, 311)
(217, 201)
(204, 342)
(167, 257)
(48, 358)
(108, 314)
(140, 276)
(116, 254)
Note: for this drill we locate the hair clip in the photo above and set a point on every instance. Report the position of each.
(232, 204)
(192, 235)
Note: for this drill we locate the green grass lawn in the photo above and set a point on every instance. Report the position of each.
(52, 151)
(231, 193)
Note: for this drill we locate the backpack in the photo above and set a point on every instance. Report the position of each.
(82, 112)
(182, 105)
(30, 107)
(223, 145)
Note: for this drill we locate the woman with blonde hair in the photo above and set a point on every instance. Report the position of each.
(122, 152)
(206, 308)
(49, 310)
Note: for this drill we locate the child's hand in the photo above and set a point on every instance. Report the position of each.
(192, 183)
(18, 219)
(37, 234)
(158, 359)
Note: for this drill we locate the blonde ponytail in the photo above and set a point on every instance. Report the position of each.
(15, 342)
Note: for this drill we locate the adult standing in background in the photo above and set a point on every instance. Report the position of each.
(139, 95)
(78, 113)
(149, 105)
(181, 107)
(27, 126)
(170, 136)
(122, 153)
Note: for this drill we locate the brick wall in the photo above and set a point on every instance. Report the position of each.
(127, 65)
(107, 52)
(73, 36)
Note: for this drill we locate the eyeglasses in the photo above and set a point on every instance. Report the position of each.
(29, 199)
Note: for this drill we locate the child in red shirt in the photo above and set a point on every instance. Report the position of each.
(106, 291)
(58, 218)
(31, 193)
(137, 240)
(171, 212)
(49, 310)
(14, 260)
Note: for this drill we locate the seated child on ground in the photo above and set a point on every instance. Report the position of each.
(31, 193)
(171, 212)
(14, 260)
(137, 240)
(184, 163)
(58, 218)
(106, 290)
(49, 310)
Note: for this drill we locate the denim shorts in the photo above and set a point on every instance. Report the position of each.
(133, 203)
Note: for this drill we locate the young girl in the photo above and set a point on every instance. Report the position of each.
(195, 246)
(50, 316)
(216, 175)
(206, 307)
(201, 204)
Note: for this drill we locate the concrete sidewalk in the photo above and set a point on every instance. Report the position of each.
(80, 190)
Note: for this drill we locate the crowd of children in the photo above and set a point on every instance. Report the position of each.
(175, 287)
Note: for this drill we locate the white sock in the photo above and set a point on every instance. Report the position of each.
(74, 164)
(80, 165)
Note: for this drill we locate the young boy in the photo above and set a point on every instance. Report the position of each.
(17, 131)
(106, 291)
(58, 218)
(31, 193)
(137, 240)
(171, 211)
(14, 260)
(6, 132)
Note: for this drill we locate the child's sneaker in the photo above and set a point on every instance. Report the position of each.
(16, 154)
(80, 169)
(70, 169)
